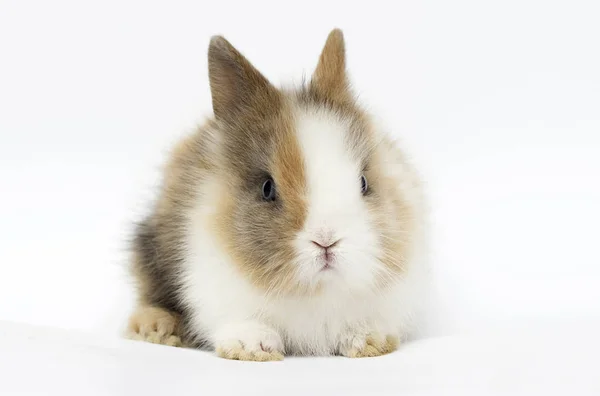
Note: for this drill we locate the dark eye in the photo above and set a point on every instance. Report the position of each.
(268, 190)
(364, 186)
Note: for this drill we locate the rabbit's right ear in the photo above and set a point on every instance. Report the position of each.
(330, 79)
(235, 84)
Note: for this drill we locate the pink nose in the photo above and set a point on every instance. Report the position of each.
(325, 245)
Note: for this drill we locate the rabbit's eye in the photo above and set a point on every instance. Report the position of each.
(268, 190)
(364, 186)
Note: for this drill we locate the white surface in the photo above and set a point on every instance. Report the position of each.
(544, 360)
(499, 102)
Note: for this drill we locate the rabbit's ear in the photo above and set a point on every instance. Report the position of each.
(329, 80)
(235, 84)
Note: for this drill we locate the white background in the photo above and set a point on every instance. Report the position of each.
(498, 102)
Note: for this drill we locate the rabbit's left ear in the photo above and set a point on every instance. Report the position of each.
(329, 80)
(235, 84)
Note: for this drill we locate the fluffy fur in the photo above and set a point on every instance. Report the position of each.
(246, 276)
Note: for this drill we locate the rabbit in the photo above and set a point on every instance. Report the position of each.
(289, 223)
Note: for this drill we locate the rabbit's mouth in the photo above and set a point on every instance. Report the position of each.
(327, 260)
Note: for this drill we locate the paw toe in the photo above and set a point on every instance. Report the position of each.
(370, 346)
(238, 351)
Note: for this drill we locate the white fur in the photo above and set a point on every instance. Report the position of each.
(227, 309)
(335, 206)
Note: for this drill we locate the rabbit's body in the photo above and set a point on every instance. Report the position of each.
(288, 224)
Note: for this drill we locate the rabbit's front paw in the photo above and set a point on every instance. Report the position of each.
(249, 341)
(367, 345)
(154, 325)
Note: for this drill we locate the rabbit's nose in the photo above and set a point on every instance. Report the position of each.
(325, 245)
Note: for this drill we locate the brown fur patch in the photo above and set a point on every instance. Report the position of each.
(289, 170)
(259, 142)
(256, 233)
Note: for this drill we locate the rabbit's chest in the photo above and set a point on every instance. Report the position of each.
(316, 327)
